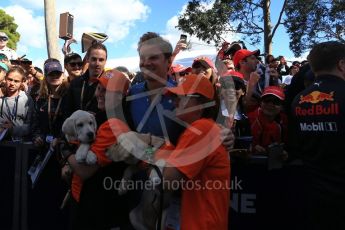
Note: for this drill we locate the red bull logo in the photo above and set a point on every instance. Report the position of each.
(316, 97)
(318, 110)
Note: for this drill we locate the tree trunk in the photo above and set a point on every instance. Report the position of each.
(267, 27)
(51, 30)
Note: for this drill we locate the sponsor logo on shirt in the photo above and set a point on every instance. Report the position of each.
(332, 109)
(319, 127)
(316, 97)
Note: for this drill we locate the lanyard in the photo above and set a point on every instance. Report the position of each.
(51, 119)
(13, 113)
(82, 98)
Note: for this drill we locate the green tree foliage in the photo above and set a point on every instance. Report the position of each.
(8, 26)
(314, 21)
(306, 21)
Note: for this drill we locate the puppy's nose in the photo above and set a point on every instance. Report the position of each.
(90, 135)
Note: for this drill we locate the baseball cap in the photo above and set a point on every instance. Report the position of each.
(242, 54)
(205, 61)
(233, 48)
(178, 68)
(275, 91)
(52, 66)
(194, 84)
(3, 34)
(4, 66)
(232, 73)
(3, 56)
(237, 78)
(114, 81)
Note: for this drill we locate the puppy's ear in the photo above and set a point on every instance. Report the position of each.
(68, 127)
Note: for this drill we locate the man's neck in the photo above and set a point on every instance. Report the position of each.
(334, 73)
(13, 94)
(152, 85)
(2, 47)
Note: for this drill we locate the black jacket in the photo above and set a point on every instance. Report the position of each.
(89, 102)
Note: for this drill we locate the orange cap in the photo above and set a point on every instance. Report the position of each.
(193, 84)
(242, 54)
(114, 81)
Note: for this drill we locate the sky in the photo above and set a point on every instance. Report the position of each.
(124, 22)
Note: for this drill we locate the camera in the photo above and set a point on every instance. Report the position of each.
(21, 62)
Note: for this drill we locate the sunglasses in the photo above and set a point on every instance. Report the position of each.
(74, 64)
(3, 39)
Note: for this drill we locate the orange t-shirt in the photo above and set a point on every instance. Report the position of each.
(106, 136)
(201, 157)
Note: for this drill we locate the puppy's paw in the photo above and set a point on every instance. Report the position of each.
(91, 158)
(79, 157)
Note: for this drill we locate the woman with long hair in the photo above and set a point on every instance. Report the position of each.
(50, 189)
(50, 103)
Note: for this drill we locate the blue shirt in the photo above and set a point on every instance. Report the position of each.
(146, 118)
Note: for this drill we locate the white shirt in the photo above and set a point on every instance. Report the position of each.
(10, 53)
(287, 79)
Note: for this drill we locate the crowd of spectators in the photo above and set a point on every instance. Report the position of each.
(202, 115)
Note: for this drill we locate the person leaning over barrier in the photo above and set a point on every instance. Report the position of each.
(16, 108)
(48, 120)
(88, 191)
(149, 108)
(205, 207)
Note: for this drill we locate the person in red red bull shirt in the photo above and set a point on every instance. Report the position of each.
(318, 135)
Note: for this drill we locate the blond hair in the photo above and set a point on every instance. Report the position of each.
(44, 90)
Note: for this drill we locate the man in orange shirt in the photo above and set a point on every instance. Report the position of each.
(203, 172)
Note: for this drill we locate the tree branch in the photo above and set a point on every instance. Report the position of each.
(245, 32)
(254, 4)
(279, 19)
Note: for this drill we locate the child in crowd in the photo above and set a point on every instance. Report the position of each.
(268, 122)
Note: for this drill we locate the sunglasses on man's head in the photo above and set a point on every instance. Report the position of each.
(3, 39)
(73, 64)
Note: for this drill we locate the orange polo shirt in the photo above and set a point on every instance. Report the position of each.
(204, 161)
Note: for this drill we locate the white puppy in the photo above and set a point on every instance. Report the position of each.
(81, 126)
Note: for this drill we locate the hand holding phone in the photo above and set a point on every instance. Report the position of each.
(183, 39)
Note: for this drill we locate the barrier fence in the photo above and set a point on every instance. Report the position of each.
(14, 157)
(260, 198)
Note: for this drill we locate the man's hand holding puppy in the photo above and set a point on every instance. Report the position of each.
(132, 144)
